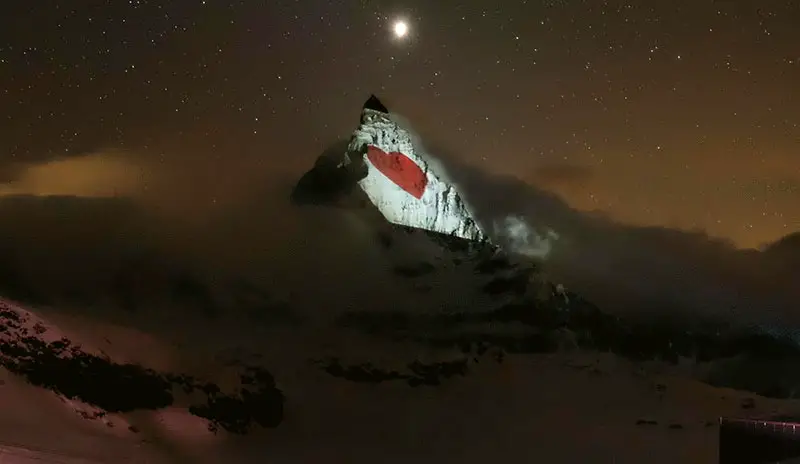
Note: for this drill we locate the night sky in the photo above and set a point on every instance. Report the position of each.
(680, 114)
(148, 150)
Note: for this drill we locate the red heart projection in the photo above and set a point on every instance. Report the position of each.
(400, 169)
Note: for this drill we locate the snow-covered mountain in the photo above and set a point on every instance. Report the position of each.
(412, 339)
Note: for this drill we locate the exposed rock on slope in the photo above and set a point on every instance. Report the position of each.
(396, 174)
(48, 359)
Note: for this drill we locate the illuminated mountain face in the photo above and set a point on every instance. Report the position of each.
(400, 181)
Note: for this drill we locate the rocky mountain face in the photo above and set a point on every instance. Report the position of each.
(392, 169)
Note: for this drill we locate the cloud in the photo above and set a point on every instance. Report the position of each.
(138, 230)
(90, 175)
(124, 223)
(97, 227)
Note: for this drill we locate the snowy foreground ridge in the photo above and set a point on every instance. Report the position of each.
(401, 181)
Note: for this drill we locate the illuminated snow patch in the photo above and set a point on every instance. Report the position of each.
(401, 183)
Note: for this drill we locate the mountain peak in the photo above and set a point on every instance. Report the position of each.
(374, 104)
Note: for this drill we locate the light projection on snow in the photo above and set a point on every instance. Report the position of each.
(400, 169)
(400, 181)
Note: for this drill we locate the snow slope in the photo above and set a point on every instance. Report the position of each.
(510, 366)
(566, 406)
(69, 398)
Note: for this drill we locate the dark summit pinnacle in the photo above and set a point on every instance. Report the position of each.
(374, 104)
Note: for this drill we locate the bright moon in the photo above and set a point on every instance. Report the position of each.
(400, 29)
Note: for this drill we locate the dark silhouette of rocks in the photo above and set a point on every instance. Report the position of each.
(418, 374)
(360, 373)
(433, 374)
(259, 402)
(62, 367)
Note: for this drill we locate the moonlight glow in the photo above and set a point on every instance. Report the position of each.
(400, 29)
